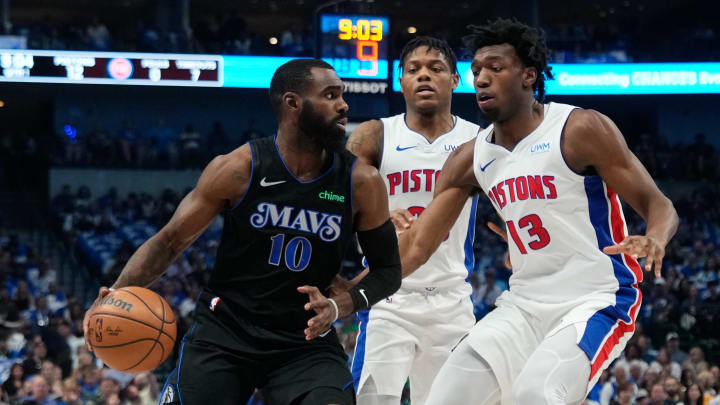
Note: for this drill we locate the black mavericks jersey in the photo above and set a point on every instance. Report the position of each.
(283, 234)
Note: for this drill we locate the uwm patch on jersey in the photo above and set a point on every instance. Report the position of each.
(410, 167)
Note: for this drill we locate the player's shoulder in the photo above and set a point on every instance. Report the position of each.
(463, 152)
(236, 163)
(583, 121)
(370, 127)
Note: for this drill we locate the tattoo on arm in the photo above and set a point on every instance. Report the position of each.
(240, 177)
(146, 264)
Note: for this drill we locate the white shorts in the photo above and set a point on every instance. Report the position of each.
(507, 336)
(410, 334)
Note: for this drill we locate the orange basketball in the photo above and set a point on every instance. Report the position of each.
(132, 329)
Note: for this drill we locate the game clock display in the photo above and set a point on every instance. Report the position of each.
(356, 45)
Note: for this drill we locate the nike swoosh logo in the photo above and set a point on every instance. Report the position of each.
(399, 149)
(362, 292)
(482, 168)
(264, 183)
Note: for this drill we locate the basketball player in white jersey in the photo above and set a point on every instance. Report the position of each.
(411, 333)
(554, 173)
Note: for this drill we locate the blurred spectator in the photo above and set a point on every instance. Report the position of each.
(663, 363)
(672, 342)
(485, 292)
(70, 392)
(611, 390)
(693, 396)
(39, 393)
(14, 382)
(190, 148)
(90, 384)
(38, 354)
(165, 143)
(625, 394)
(672, 389)
(658, 396)
(696, 361)
(99, 35)
(128, 144)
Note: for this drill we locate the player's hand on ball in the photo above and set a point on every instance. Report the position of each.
(641, 246)
(325, 310)
(402, 219)
(102, 293)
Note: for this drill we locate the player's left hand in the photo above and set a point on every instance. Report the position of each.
(641, 246)
(326, 315)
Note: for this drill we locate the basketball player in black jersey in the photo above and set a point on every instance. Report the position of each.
(291, 204)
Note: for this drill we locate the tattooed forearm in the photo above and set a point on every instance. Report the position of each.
(146, 264)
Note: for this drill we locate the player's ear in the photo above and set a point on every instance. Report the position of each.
(455, 80)
(291, 101)
(530, 75)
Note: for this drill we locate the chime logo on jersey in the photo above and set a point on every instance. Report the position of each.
(325, 226)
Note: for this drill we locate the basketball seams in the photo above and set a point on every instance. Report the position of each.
(125, 344)
(157, 338)
(134, 320)
(148, 306)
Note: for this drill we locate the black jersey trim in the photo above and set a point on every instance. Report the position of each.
(252, 169)
(330, 169)
(352, 196)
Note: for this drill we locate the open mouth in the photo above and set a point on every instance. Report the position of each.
(484, 99)
(341, 123)
(425, 91)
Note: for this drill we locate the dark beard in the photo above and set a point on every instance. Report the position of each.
(325, 134)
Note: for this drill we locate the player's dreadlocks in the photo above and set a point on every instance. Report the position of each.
(529, 44)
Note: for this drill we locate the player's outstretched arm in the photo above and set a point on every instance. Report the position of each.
(456, 183)
(366, 142)
(592, 140)
(221, 185)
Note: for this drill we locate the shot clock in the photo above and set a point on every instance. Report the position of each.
(356, 45)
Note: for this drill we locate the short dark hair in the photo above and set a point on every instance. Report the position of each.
(292, 76)
(529, 43)
(626, 386)
(439, 45)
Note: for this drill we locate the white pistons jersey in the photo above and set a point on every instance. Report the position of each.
(410, 167)
(558, 221)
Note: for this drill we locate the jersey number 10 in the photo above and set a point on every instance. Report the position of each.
(536, 229)
(297, 246)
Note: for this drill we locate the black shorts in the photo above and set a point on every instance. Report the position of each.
(223, 359)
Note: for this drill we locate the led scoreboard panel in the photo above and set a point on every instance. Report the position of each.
(355, 45)
(110, 68)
